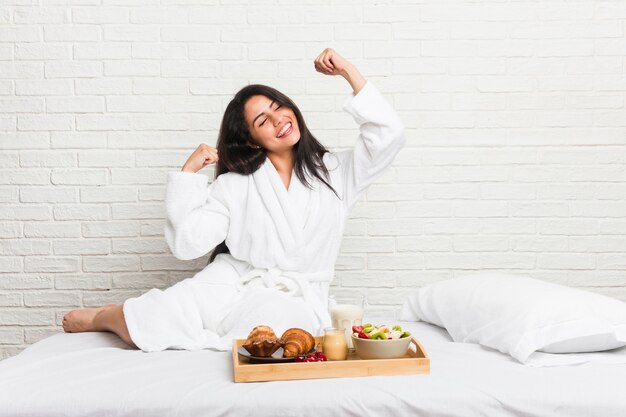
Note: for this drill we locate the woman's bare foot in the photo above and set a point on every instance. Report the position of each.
(82, 320)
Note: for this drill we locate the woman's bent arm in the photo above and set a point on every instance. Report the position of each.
(197, 215)
(381, 136)
(381, 132)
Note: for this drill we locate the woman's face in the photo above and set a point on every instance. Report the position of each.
(272, 126)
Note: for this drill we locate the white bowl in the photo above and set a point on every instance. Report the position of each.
(381, 349)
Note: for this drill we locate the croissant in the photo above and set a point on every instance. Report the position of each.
(297, 342)
(262, 341)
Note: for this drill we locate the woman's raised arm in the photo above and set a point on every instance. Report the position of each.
(381, 132)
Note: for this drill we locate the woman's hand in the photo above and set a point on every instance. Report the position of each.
(201, 157)
(330, 62)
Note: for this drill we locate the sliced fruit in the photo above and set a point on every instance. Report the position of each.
(357, 329)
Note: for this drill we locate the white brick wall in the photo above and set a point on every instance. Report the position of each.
(514, 112)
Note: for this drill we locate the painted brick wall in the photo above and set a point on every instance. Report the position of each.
(514, 114)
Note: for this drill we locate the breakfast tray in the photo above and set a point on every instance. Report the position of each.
(416, 361)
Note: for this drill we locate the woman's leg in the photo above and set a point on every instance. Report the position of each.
(184, 316)
(109, 318)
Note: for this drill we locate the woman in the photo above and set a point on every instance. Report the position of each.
(275, 236)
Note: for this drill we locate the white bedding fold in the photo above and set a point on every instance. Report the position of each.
(96, 374)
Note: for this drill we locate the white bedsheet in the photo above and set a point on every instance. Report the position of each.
(96, 374)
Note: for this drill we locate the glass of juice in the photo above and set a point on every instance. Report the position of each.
(345, 312)
(334, 344)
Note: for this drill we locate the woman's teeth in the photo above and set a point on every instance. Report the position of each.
(286, 130)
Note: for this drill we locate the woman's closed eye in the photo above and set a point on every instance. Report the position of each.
(264, 120)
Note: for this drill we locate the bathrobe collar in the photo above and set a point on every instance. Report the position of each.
(290, 209)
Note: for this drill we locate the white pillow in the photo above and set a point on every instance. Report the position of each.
(520, 316)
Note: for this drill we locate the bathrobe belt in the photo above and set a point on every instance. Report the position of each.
(296, 284)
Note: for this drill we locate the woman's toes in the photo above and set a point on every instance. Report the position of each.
(64, 323)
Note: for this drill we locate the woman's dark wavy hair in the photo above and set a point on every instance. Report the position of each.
(237, 155)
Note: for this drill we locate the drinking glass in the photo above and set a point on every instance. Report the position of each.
(335, 345)
(345, 312)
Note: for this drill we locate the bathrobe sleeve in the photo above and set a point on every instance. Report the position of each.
(197, 215)
(381, 136)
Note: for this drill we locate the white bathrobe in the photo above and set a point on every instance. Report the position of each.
(283, 242)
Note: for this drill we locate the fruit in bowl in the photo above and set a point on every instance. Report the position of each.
(380, 342)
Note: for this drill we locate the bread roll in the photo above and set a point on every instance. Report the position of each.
(297, 342)
(262, 341)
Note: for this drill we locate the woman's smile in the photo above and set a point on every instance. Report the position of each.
(285, 131)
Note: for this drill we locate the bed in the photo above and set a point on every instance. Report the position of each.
(96, 374)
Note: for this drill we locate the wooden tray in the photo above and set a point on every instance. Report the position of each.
(416, 361)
